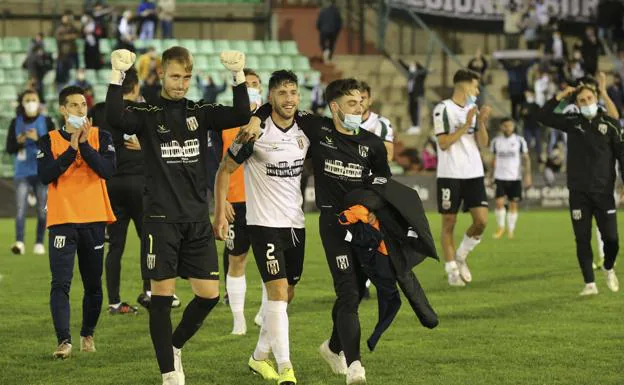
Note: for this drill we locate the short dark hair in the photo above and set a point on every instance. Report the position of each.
(341, 87)
(465, 75)
(282, 76)
(506, 119)
(180, 55)
(69, 91)
(130, 81)
(365, 87)
(250, 72)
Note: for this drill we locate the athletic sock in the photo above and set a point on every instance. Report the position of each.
(500, 217)
(277, 326)
(160, 331)
(512, 218)
(466, 246)
(194, 315)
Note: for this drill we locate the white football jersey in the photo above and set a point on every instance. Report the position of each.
(379, 126)
(273, 168)
(462, 160)
(508, 152)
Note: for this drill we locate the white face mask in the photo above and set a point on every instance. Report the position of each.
(351, 122)
(76, 121)
(589, 111)
(254, 96)
(530, 99)
(31, 107)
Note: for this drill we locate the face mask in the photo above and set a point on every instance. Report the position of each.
(76, 121)
(589, 111)
(530, 99)
(471, 100)
(254, 96)
(80, 77)
(351, 122)
(31, 108)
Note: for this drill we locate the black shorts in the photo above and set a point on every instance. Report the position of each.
(238, 242)
(170, 250)
(512, 189)
(279, 252)
(451, 193)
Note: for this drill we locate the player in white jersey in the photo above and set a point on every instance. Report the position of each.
(460, 132)
(511, 157)
(275, 220)
(376, 123)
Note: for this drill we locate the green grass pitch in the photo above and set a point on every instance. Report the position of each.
(520, 321)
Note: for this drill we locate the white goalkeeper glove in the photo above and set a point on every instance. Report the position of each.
(235, 62)
(121, 61)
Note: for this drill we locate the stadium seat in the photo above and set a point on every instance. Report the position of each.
(267, 63)
(205, 47)
(103, 76)
(12, 44)
(48, 78)
(8, 92)
(200, 62)
(92, 77)
(239, 45)
(255, 47)
(168, 43)
(252, 62)
(284, 62)
(17, 77)
(265, 76)
(19, 59)
(99, 92)
(221, 45)
(6, 60)
(289, 48)
(50, 44)
(301, 63)
(2, 79)
(189, 44)
(106, 46)
(272, 47)
(214, 63)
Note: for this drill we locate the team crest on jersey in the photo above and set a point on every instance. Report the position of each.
(342, 261)
(577, 215)
(602, 128)
(191, 123)
(59, 241)
(151, 261)
(273, 267)
(363, 150)
(300, 142)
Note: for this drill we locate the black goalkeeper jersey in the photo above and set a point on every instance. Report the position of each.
(174, 143)
(341, 162)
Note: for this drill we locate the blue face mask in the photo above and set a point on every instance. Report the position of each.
(589, 111)
(76, 121)
(254, 96)
(471, 99)
(351, 122)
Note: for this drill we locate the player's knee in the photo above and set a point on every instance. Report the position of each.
(348, 300)
(480, 224)
(448, 223)
(277, 290)
(237, 265)
(61, 284)
(291, 293)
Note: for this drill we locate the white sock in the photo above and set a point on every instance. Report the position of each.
(512, 218)
(276, 320)
(600, 243)
(236, 288)
(500, 217)
(466, 246)
(263, 347)
(265, 298)
(451, 267)
(115, 305)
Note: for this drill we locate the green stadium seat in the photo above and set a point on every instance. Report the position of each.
(267, 63)
(8, 92)
(255, 47)
(272, 47)
(92, 76)
(50, 44)
(189, 44)
(214, 63)
(6, 60)
(99, 92)
(17, 77)
(19, 59)
(200, 62)
(168, 43)
(221, 45)
(2, 79)
(251, 62)
(289, 48)
(239, 45)
(301, 63)
(48, 78)
(265, 76)
(103, 76)
(284, 62)
(106, 46)
(12, 44)
(205, 47)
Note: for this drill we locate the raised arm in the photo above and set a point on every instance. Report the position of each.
(127, 120)
(48, 168)
(612, 110)
(547, 116)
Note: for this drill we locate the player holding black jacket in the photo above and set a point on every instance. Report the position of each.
(342, 155)
(177, 235)
(594, 144)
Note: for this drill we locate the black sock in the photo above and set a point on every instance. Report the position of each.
(196, 311)
(160, 330)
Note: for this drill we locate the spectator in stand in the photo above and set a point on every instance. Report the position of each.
(166, 10)
(530, 126)
(101, 15)
(590, 50)
(38, 62)
(148, 62)
(530, 24)
(430, 156)
(151, 88)
(417, 74)
(609, 20)
(147, 24)
(512, 24)
(92, 56)
(544, 87)
(66, 36)
(25, 130)
(542, 14)
(619, 65)
(556, 50)
(554, 163)
(615, 93)
(329, 24)
(409, 160)
(574, 70)
(125, 32)
(209, 89)
(479, 65)
(82, 82)
(517, 83)
(317, 97)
